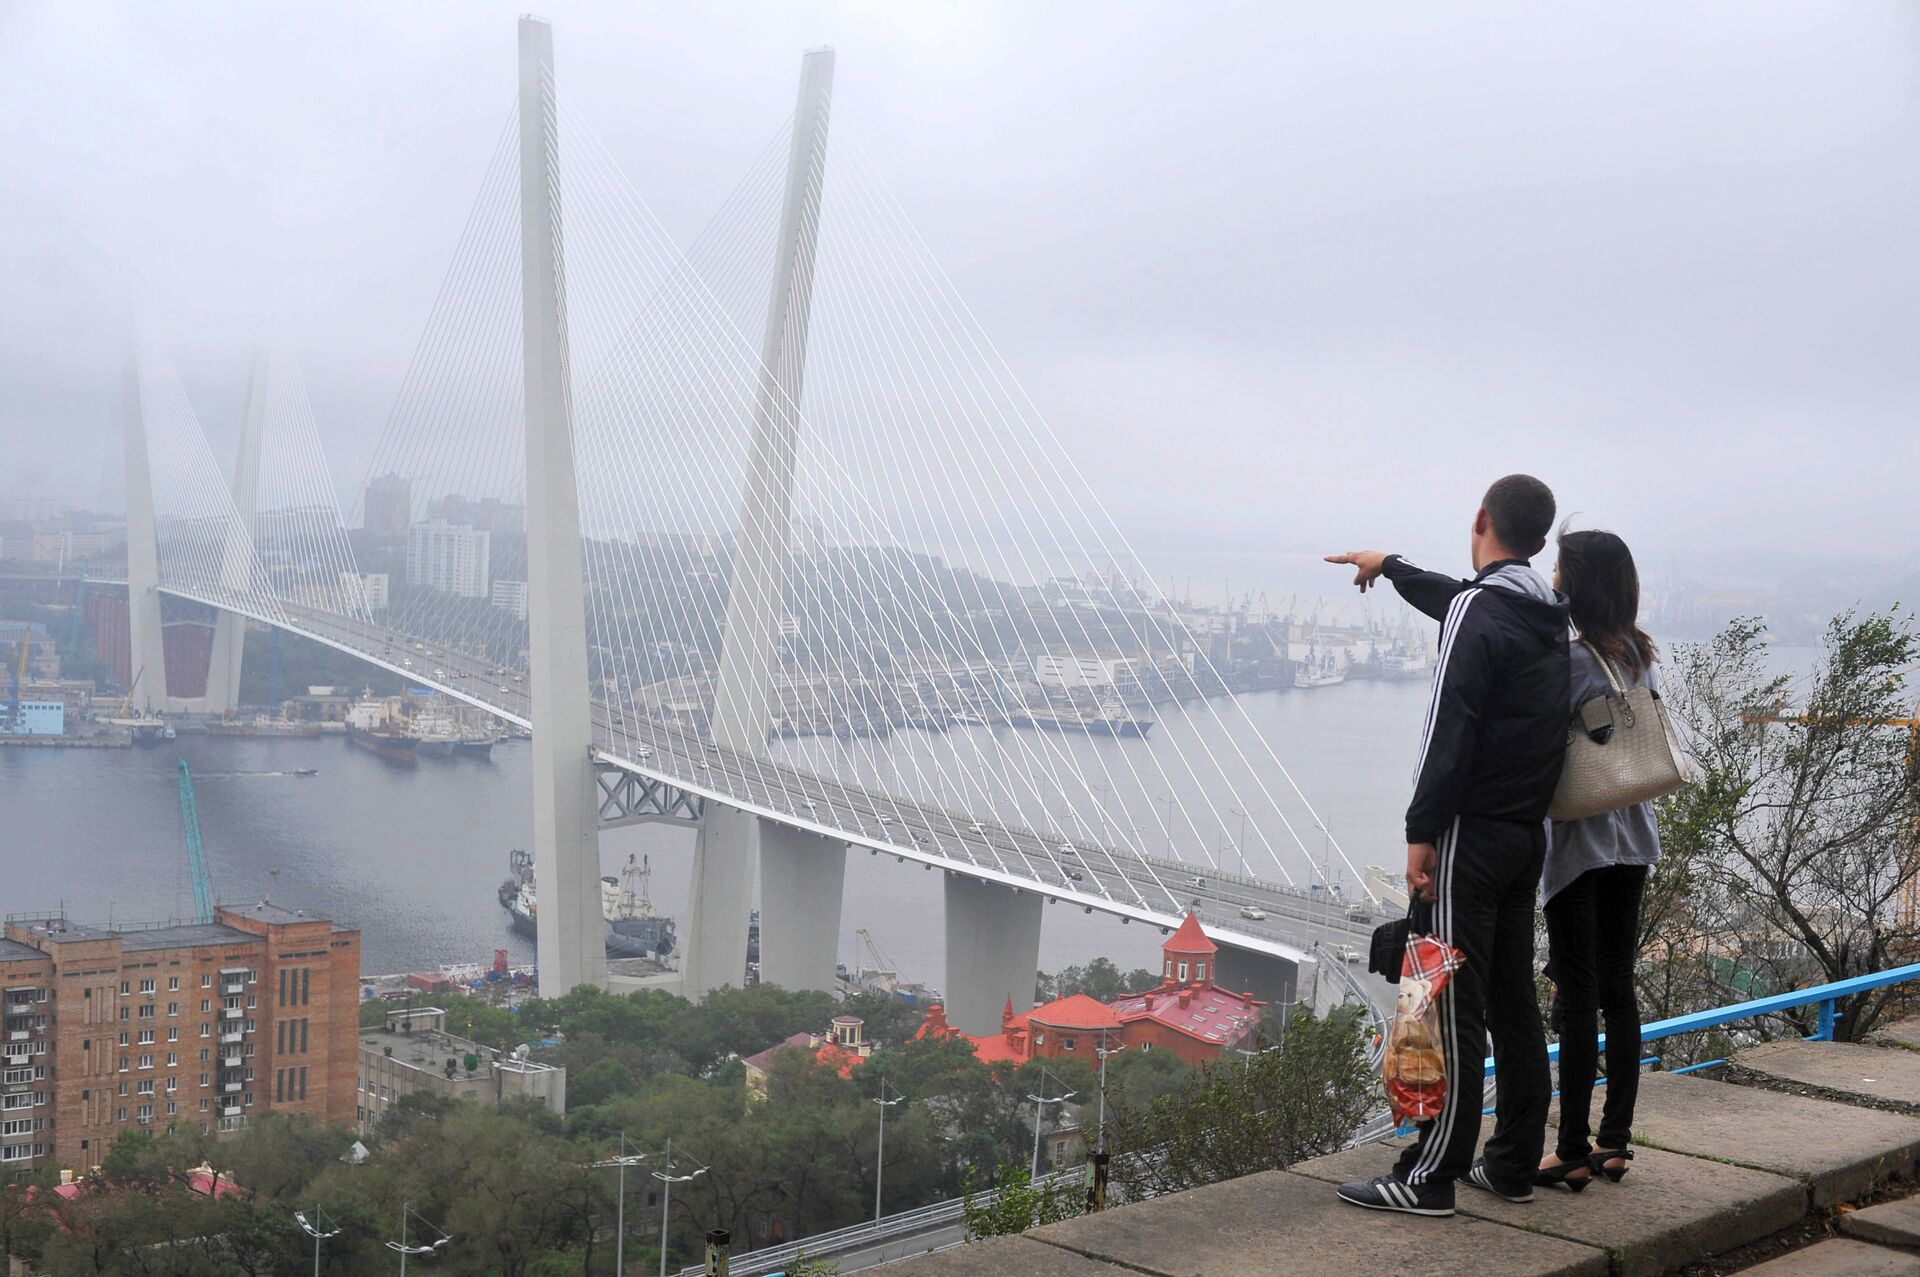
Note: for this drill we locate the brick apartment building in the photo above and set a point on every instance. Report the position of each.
(146, 1029)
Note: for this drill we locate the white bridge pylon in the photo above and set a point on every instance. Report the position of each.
(822, 581)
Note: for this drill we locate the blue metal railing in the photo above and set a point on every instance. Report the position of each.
(1825, 997)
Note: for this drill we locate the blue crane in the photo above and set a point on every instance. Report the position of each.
(196, 859)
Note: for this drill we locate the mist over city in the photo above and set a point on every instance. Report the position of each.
(1052, 637)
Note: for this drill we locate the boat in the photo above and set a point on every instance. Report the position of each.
(152, 733)
(1318, 670)
(304, 771)
(1108, 718)
(371, 726)
(476, 746)
(634, 928)
(517, 894)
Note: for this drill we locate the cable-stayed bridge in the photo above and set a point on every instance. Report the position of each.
(721, 525)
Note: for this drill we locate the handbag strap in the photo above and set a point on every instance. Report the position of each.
(1606, 668)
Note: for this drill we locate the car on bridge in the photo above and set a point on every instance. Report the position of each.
(1073, 873)
(1253, 914)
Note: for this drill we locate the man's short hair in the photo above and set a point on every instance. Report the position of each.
(1521, 510)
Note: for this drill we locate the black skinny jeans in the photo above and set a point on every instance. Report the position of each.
(1593, 931)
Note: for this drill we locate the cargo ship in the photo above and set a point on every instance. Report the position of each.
(371, 726)
(1318, 670)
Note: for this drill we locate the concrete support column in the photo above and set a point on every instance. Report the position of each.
(801, 878)
(1271, 979)
(236, 559)
(715, 952)
(993, 951)
(722, 893)
(148, 668)
(566, 835)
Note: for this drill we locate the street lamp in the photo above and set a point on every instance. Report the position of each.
(666, 1197)
(313, 1230)
(880, 1157)
(404, 1249)
(622, 1159)
(1103, 1051)
(1040, 1103)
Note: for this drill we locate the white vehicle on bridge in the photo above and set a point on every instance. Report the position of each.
(1253, 914)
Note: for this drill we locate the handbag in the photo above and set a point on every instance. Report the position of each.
(1621, 750)
(1387, 951)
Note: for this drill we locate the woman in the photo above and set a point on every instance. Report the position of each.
(1596, 870)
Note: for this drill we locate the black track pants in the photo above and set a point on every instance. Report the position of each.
(1488, 874)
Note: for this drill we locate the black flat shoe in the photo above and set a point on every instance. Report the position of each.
(1598, 1161)
(1548, 1176)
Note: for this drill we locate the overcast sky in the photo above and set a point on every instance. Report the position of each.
(1283, 276)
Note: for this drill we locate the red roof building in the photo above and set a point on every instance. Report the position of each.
(843, 1047)
(1186, 1013)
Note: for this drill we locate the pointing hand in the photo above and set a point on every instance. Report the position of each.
(1367, 565)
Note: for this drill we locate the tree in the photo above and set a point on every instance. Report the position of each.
(1236, 1117)
(1100, 980)
(1784, 862)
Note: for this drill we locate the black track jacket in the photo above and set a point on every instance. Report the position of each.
(1496, 731)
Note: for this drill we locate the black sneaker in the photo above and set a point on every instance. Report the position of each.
(1478, 1177)
(1389, 1193)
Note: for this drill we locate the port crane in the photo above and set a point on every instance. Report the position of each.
(196, 857)
(881, 966)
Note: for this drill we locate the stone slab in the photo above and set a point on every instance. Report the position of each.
(1901, 1033)
(1848, 1067)
(1894, 1223)
(1670, 1209)
(1840, 1257)
(1279, 1221)
(1005, 1257)
(1839, 1151)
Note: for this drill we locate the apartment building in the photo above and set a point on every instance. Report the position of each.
(107, 1030)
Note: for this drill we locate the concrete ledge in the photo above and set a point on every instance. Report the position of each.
(1839, 1257)
(1283, 1222)
(1904, 1033)
(1890, 1223)
(1670, 1209)
(1009, 1257)
(1871, 1072)
(1840, 1152)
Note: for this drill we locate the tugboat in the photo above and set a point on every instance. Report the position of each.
(516, 893)
(634, 929)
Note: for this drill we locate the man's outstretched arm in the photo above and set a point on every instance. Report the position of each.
(1430, 592)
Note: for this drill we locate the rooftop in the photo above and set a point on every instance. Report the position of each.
(269, 912)
(14, 951)
(1203, 1011)
(189, 935)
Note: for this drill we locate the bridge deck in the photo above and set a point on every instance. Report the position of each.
(1739, 1171)
(1155, 890)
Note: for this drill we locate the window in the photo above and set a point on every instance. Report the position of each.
(148, 1010)
(205, 1055)
(1066, 1044)
(303, 1081)
(279, 1085)
(146, 1087)
(206, 1030)
(123, 1039)
(280, 1036)
(173, 1009)
(305, 987)
(203, 1108)
(173, 1034)
(206, 981)
(123, 1014)
(123, 1112)
(206, 1005)
(303, 1037)
(283, 986)
(125, 989)
(1200, 971)
(173, 1107)
(206, 1079)
(173, 984)
(146, 1061)
(1183, 972)
(173, 1084)
(147, 986)
(146, 1037)
(173, 1059)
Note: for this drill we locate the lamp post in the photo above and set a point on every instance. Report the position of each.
(880, 1157)
(1040, 1103)
(1103, 1051)
(622, 1159)
(404, 1249)
(313, 1230)
(666, 1197)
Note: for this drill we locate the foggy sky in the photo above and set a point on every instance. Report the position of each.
(1283, 276)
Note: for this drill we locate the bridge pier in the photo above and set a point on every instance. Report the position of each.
(236, 559)
(724, 852)
(743, 685)
(993, 951)
(1271, 979)
(148, 667)
(566, 835)
(802, 875)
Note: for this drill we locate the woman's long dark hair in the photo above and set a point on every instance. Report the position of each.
(1603, 593)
